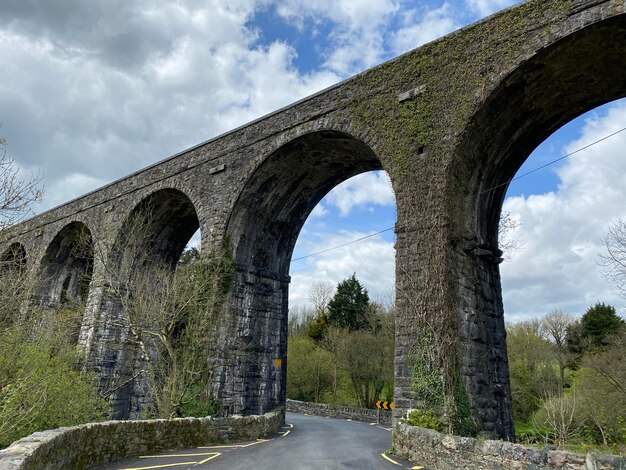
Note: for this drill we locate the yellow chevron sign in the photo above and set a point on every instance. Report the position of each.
(384, 405)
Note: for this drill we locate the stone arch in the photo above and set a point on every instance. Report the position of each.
(277, 199)
(14, 282)
(156, 230)
(67, 266)
(563, 80)
(152, 236)
(263, 227)
(14, 257)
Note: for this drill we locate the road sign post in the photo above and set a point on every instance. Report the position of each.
(385, 405)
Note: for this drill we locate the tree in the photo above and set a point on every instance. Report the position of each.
(602, 389)
(170, 314)
(593, 329)
(16, 195)
(318, 327)
(369, 361)
(320, 294)
(599, 322)
(42, 385)
(348, 307)
(614, 261)
(309, 371)
(530, 367)
(507, 228)
(554, 328)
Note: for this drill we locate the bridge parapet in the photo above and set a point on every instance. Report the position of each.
(93, 444)
(446, 452)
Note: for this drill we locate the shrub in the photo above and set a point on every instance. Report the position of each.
(425, 419)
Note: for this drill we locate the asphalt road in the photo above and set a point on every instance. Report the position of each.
(306, 442)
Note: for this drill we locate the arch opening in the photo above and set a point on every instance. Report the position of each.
(67, 267)
(263, 229)
(341, 333)
(147, 313)
(561, 82)
(13, 258)
(14, 282)
(280, 195)
(156, 232)
(556, 270)
(565, 80)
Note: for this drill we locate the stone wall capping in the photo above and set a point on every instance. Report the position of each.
(339, 411)
(447, 452)
(88, 445)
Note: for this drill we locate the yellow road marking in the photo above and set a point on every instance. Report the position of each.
(235, 446)
(417, 467)
(217, 454)
(162, 466)
(286, 432)
(177, 455)
(178, 464)
(391, 460)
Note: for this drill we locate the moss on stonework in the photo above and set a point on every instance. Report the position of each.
(451, 78)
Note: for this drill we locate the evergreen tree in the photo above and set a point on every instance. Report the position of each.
(348, 308)
(317, 328)
(599, 322)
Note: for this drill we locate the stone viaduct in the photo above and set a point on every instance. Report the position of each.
(450, 122)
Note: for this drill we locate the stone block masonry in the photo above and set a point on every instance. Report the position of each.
(85, 446)
(339, 411)
(451, 122)
(438, 451)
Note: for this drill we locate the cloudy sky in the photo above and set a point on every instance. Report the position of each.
(93, 90)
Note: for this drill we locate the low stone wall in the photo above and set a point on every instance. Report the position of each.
(80, 447)
(438, 451)
(339, 411)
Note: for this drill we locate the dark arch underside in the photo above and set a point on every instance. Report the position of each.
(157, 230)
(67, 266)
(280, 195)
(14, 257)
(576, 74)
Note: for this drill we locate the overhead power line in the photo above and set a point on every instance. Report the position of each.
(552, 162)
(342, 245)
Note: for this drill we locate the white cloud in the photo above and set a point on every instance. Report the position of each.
(373, 187)
(66, 188)
(106, 90)
(487, 7)
(372, 259)
(358, 29)
(319, 211)
(556, 265)
(420, 27)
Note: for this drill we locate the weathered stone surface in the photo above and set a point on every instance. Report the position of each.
(89, 445)
(451, 122)
(340, 411)
(438, 451)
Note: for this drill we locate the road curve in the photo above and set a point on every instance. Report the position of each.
(306, 442)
